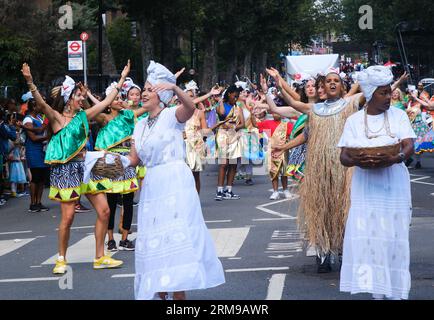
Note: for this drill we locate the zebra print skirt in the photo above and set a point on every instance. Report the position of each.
(66, 182)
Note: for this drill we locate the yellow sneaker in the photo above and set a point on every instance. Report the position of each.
(60, 267)
(106, 262)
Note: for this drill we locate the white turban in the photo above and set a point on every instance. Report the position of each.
(110, 88)
(241, 84)
(157, 74)
(67, 87)
(128, 85)
(372, 78)
(192, 85)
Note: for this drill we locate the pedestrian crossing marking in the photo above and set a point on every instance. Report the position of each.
(228, 241)
(7, 246)
(84, 250)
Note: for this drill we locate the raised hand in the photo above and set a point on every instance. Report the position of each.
(273, 72)
(215, 91)
(26, 72)
(126, 70)
(163, 86)
(179, 73)
(263, 82)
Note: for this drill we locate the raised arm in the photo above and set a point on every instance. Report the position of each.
(403, 78)
(214, 91)
(285, 85)
(100, 106)
(51, 114)
(139, 112)
(355, 88)
(297, 105)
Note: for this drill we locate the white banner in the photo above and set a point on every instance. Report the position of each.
(311, 64)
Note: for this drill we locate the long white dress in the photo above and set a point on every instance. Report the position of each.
(174, 250)
(376, 256)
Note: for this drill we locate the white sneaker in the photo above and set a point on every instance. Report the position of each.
(288, 195)
(275, 196)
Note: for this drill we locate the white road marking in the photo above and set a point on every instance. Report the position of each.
(274, 213)
(7, 246)
(218, 221)
(29, 280)
(15, 232)
(257, 269)
(272, 219)
(417, 180)
(131, 275)
(84, 250)
(228, 241)
(235, 258)
(32, 267)
(275, 289)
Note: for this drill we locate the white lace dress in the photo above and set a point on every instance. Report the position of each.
(174, 249)
(376, 256)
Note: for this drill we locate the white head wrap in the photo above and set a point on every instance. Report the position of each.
(242, 84)
(128, 85)
(192, 85)
(300, 77)
(158, 73)
(67, 87)
(372, 78)
(110, 88)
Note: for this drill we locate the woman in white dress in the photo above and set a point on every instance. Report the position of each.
(174, 250)
(376, 254)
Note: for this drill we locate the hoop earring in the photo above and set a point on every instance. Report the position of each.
(67, 108)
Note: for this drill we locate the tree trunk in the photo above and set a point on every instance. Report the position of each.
(147, 46)
(108, 61)
(209, 69)
(247, 65)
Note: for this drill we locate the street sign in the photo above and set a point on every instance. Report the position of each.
(75, 55)
(84, 36)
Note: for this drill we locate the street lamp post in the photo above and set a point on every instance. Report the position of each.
(100, 26)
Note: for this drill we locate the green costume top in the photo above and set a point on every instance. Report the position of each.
(68, 142)
(117, 131)
(399, 105)
(143, 116)
(299, 126)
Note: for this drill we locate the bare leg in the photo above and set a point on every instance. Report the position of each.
(284, 183)
(222, 174)
(196, 176)
(275, 184)
(99, 202)
(181, 294)
(33, 193)
(39, 192)
(68, 212)
(231, 174)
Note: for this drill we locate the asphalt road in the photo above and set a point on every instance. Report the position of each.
(257, 240)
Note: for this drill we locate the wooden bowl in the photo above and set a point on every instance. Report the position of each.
(391, 150)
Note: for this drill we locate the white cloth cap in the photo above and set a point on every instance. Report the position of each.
(67, 87)
(110, 88)
(128, 85)
(192, 85)
(242, 84)
(372, 78)
(157, 74)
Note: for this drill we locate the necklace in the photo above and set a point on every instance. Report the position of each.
(329, 108)
(370, 134)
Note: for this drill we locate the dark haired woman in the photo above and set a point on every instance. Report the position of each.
(115, 137)
(65, 154)
(228, 142)
(324, 216)
(36, 138)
